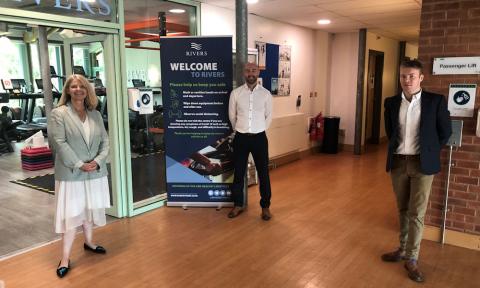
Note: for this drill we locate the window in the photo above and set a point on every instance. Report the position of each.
(12, 62)
(54, 55)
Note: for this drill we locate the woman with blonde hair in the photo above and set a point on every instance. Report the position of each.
(80, 143)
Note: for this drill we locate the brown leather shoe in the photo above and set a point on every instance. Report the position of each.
(395, 256)
(413, 272)
(266, 214)
(237, 210)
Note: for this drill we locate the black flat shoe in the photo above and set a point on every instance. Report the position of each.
(98, 249)
(62, 271)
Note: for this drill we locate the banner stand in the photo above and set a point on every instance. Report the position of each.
(186, 205)
(196, 86)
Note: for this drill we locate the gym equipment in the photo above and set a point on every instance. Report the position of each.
(5, 126)
(36, 158)
(56, 93)
(79, 70)
(138, 83)
(30, 125)
(14, 85)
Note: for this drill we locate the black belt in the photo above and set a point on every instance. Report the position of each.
(407, 157)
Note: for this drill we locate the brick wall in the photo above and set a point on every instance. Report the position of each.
(451, 28)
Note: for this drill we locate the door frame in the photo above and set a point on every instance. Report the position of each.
(377, 96)
(115, 82)
(131, 208)
(108, 49)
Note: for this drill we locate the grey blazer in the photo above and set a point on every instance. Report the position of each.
(68, 141)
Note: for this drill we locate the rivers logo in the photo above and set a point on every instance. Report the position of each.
(196, 46)
(197, 50)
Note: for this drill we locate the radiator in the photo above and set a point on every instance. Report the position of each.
(287, 134)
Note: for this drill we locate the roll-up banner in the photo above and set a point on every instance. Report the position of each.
(196, 86)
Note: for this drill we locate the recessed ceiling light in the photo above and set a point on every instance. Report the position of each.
(324, 21)
(176, 11)
(252, 1)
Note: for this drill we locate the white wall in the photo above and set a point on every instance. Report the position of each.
(343, 82)
(390, 48)
(321, 102)
(411, 50)
(307, 45)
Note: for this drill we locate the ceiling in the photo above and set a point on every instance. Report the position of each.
(141, 19)
(136, 11)
(396, 19)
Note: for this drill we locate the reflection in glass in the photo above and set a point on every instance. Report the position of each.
(142, 26)
(100, 10)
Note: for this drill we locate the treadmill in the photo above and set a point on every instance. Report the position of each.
(18, 90)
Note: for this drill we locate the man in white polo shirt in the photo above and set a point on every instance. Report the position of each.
(250, 112)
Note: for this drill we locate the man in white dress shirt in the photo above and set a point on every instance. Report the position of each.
(250, 112)
(418, 124)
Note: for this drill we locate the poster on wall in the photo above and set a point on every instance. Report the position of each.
(283, 87)
(461, 99)
(196, 85)
(275, 67)
(262, 50)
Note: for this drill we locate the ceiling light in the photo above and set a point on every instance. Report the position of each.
(252, 1)
(176, 11)
(324, 21)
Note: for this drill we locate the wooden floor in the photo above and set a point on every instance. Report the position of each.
(26, 215)
(333, 216)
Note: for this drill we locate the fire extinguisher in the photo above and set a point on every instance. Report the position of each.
(316, 128)
(320, 124)
(312, 129)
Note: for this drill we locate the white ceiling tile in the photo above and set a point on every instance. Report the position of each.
(399, 19)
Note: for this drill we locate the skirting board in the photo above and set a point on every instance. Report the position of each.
(345, 147)
(285, 159)
(452, 237)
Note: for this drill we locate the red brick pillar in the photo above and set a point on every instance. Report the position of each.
(451, 28)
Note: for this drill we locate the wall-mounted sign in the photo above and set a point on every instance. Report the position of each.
(102, 10)
(461, 99)
(456, 65)
(146, 101)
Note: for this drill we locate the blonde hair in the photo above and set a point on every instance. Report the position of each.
(91, 100)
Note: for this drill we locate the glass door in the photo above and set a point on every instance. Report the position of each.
(92, 55)
(29, 193)
(145, 22)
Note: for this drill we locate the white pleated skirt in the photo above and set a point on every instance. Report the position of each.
(79, 201)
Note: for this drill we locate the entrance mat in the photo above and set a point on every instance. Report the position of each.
(44, 183)
(148, 178)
